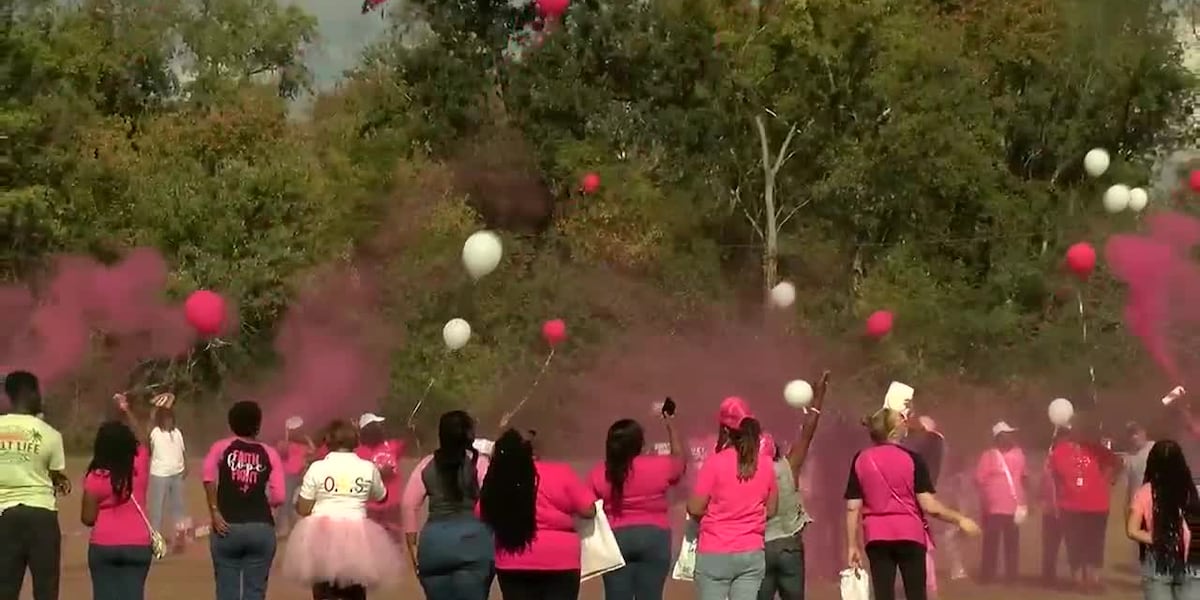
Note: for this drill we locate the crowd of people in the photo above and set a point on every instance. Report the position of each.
(502, 512)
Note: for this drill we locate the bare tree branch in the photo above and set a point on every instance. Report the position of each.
(793, 212)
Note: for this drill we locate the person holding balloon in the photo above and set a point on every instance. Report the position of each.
(784, 549)
(634, 487)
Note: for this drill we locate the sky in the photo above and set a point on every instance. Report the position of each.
(344, 33)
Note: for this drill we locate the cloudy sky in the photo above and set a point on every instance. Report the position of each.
(344, 32)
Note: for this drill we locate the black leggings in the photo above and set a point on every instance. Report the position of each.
(885, 558)
(538, 585)
(1084, 534)
(329, 591)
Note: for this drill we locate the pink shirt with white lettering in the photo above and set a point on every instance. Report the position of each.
(644, 496)
(561, 496)
(736, 517)
(999, 496)
(118, 523)
(414, 495)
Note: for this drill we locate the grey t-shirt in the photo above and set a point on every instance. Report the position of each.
(1135, 469)
(790, 517)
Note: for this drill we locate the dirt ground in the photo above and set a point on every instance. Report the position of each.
(189, 576)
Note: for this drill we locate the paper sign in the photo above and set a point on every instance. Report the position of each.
(899, 398)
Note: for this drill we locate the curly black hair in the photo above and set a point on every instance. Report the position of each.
(245, 419)
(113, 453)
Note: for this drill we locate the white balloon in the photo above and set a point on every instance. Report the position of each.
(482, 252)
(1096, 162)
(1060, 412)
(1116, 198)
(798, 393)
(456, 333)
(783, 294)
(1138, 199)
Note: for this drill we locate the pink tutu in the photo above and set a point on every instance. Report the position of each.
(343, 551)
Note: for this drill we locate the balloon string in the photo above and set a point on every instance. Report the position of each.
(1083, 330)
(528, 393)
(420, 401)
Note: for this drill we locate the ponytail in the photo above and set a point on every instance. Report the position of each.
(745, 441)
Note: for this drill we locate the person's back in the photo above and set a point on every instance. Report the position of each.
(561, 495)
(29, 450)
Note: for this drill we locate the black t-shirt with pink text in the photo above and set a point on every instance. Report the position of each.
(244, 470)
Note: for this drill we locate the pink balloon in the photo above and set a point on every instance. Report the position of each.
(1194, 181)
(590, 183)
(205, 312)
(551, 9)
(879, 323)
(554, 332)
(1081, 259)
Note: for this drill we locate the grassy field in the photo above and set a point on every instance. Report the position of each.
(189, 577)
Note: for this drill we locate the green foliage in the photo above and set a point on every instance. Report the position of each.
(933, 167)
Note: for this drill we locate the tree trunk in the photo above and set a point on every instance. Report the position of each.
(771, 229)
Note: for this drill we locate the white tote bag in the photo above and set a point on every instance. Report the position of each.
(685, 563)
(856, 585)
(599, 551)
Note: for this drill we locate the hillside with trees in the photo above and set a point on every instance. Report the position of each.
(923, 156)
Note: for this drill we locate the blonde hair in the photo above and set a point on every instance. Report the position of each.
(883, 425)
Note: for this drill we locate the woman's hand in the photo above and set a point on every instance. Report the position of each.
(219, 525)
(122, 402)
(968, 526)
(854, 558)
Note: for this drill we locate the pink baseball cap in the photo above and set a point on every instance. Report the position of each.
(733, 410)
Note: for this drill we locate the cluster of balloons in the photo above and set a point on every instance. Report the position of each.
(481, 255)
(1118, 197)
(878, 325)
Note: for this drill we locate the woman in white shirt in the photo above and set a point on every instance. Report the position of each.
(337, 550)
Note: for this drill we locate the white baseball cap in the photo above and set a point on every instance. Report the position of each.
(369, 418)
(1002, 427)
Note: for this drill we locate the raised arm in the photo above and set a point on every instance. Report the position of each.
(799, 452)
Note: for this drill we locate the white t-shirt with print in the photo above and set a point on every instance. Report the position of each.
(166, 452)
(341, 484)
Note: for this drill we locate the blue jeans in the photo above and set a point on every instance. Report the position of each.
(729, 576)
(119, 572)
(1156, 586)
(242, 560)
(456, 559)
(784, 575)
(647, 552)
(166, 492)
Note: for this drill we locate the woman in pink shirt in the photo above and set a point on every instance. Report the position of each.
(114, 491)
(1000, 477)
(890, 492)
(634, 489)
(375, 446)
(1164, 517)
(295, 450)
(531, 506)
(735, 493)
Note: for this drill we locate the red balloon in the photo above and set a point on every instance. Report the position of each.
(554, 332)
(1081, 259)
(879, 323)
(1194, 181)
(205, 312)
(551, 9)
(590, 183)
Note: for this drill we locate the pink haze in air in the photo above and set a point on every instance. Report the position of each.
(48, 328)
(332, 348)
(1163, 283)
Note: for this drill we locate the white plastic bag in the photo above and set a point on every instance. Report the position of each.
(856, 585)
(685, 563)
(599, 551)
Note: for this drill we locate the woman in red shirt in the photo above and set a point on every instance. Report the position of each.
(1083, 474)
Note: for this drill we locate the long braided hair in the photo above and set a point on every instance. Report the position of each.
(508, 498)
(1174, 499)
